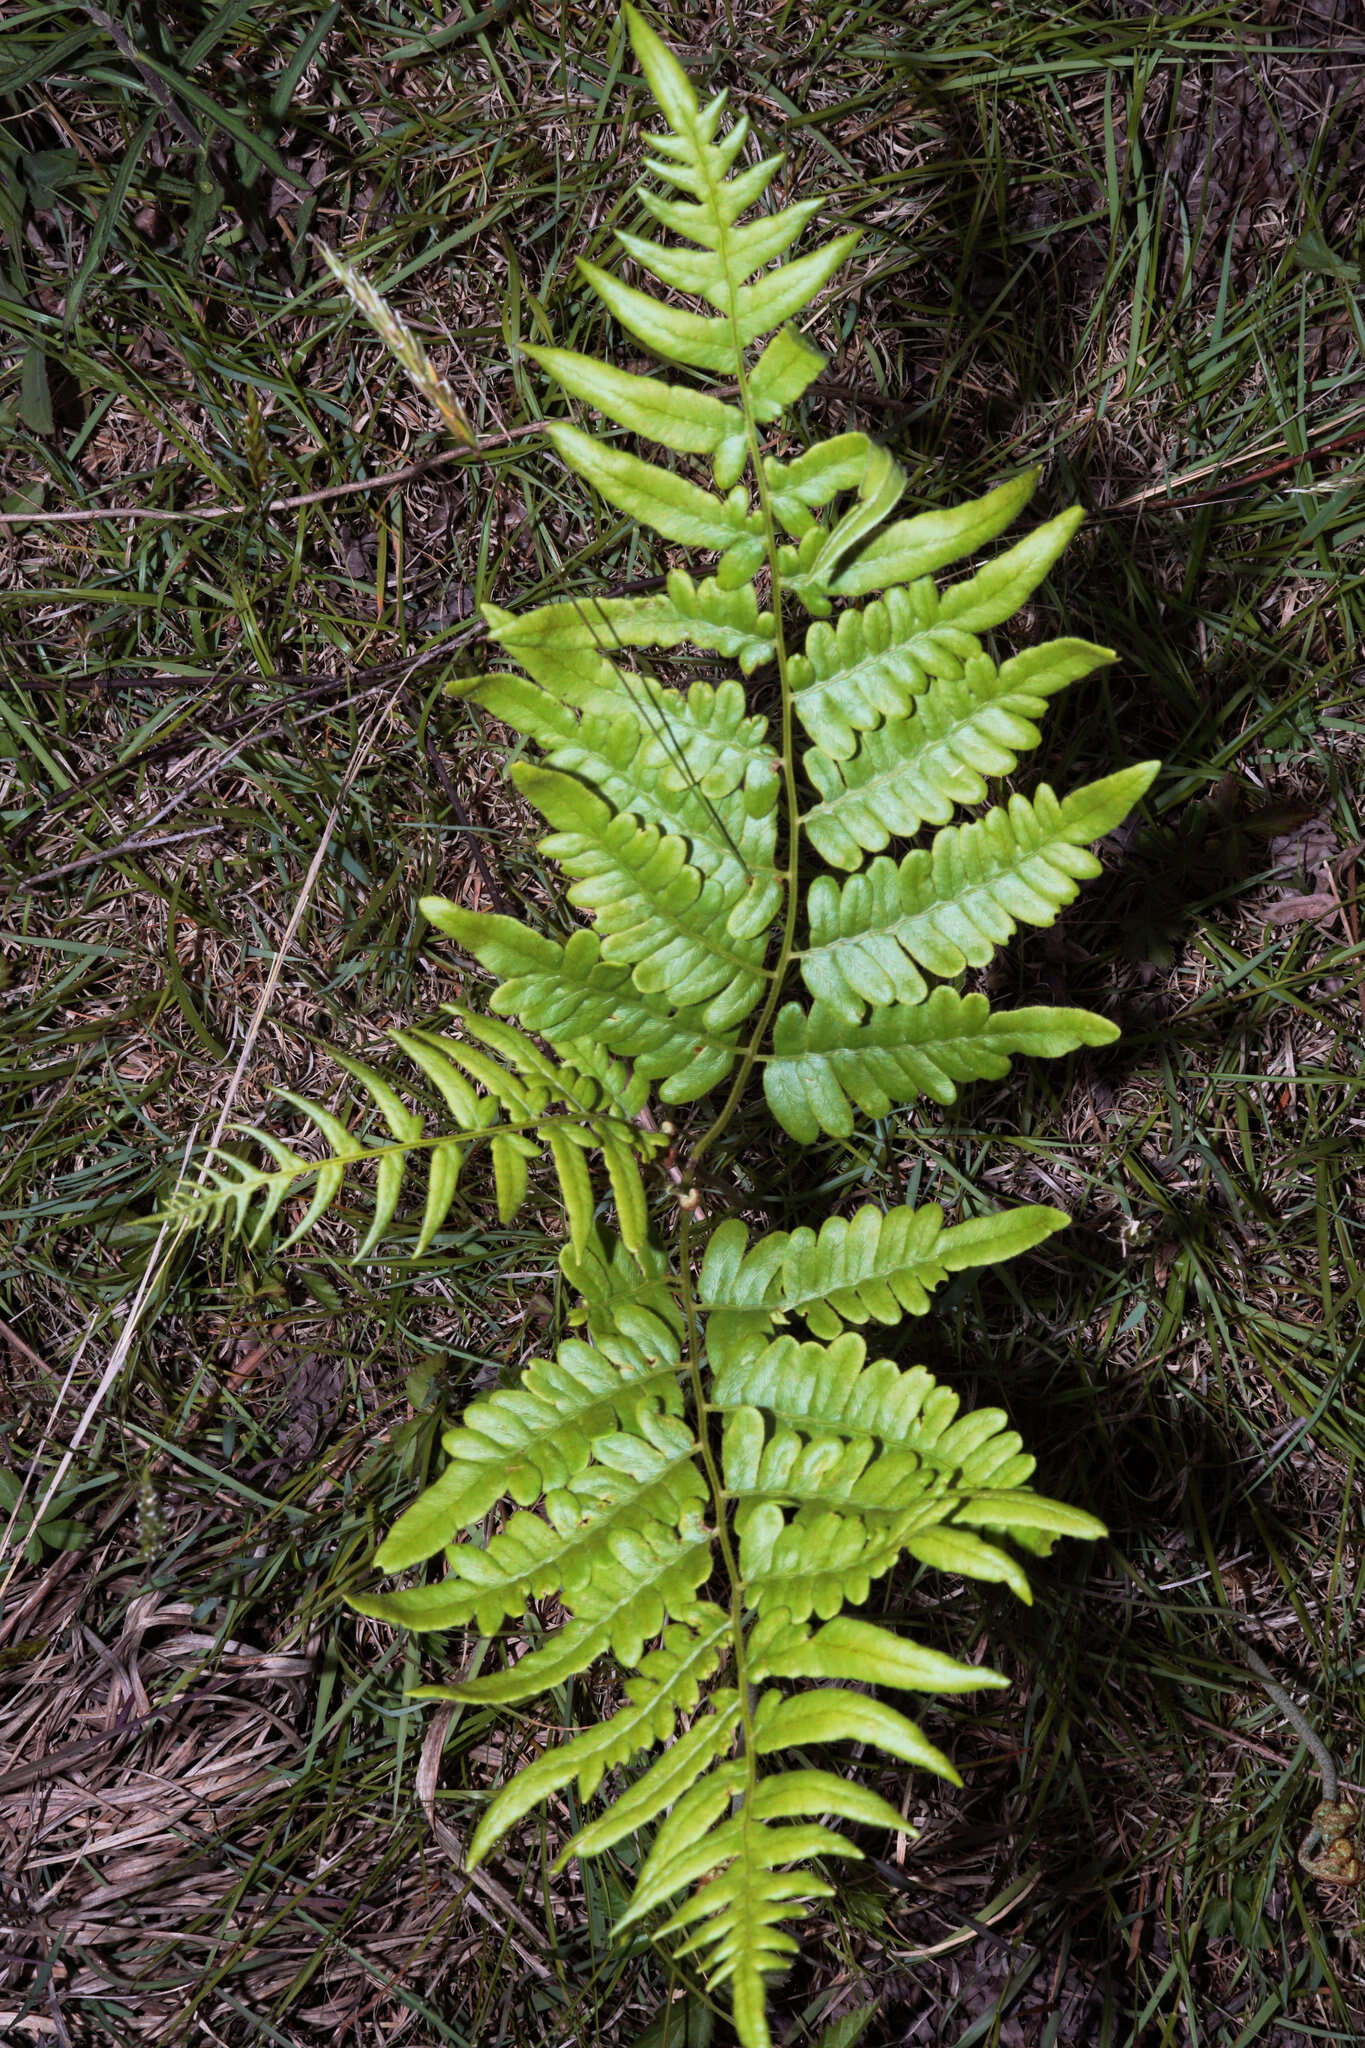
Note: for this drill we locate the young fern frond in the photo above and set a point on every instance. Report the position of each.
(713, 1468)
(498, 1089)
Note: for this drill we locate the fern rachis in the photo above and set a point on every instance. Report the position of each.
(716, 1465)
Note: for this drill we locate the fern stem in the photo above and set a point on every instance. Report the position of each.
(1294, 1714)
(792, 819)
(778, 975)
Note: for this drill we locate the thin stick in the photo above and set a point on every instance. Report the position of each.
(88, 514)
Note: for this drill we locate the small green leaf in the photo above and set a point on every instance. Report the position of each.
(957, 1550)
(511, 1174)
(1313, 252)
(575, 1184)
(848, 1648)
(812, 1792)
(569, 1651)
(669, 83)
(917, 547)
(838, 1716)
(997, 591)
(35, 397)
(686, 420)
(659, 498)
(786, 368)
(455, 1502)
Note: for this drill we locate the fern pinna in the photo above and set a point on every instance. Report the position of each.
(712, 1471)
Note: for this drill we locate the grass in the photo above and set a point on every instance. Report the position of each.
(227, 769)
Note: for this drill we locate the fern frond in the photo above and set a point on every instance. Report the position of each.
(814, 1565)
(681, 1441)
(787, 367)
(875, 1267)
(514, 1116)
(733, 1920)
(676, 928)
(873, 665)
(647, 773)
(667, 503)
(860, 1650)
(606, 1549)
(707, 342)
(874, 1459)
(838, 1715)
(689, 422)
(951, 906)
(665, 1782)
(856, 1513)
(669, 1683)
(584, 630)
(917, 547)
(830, 1389)
(623, 1295)
(815, 477)
(571, 996)
(822, 1065)
(537, 1436)
(703, 741)
(970, 722)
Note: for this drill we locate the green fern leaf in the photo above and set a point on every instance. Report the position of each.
(879, 491)
(860, 1650)
(521, 1084)
(605, 1550)
(582, 633)
(812, 1565)
(836, 1715)
(877, 1266)
(662, 500)
(677, 929)
(951, 906)
(569, 1652)
(965, 726)
(571, 996)
(831, 1390)
(647, 773)
(917, 547)
(787, 367)
(810, 1792)
(537, 1436)
(662, 1785)
(743, 1897)
(688, 421)
(816, 477)
(670, 1682)
(1028, 1519)
(873, 665)
(997, 589)
(822, 1065)
(683, 1441)
(711, 271)
(707, 342)
(960, 1552)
